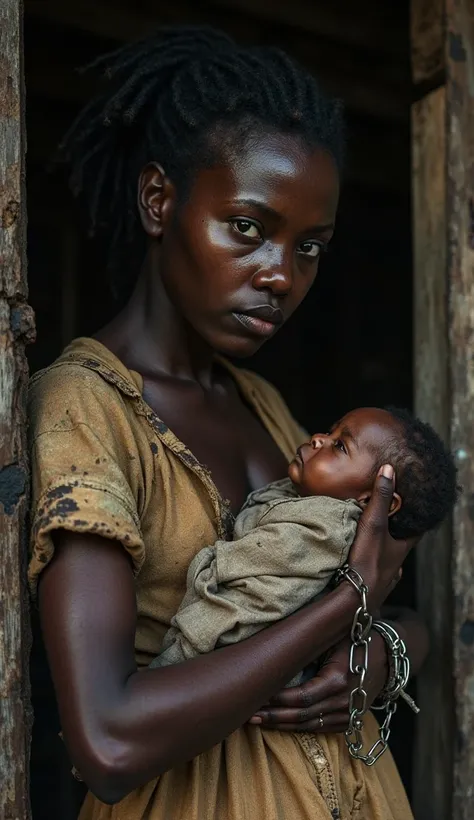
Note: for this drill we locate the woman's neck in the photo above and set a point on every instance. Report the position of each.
(151, 337)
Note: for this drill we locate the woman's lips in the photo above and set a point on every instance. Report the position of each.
(261, 320)
(258, 327)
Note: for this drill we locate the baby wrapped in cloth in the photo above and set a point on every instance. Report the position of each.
(292, 535)
(285, 550)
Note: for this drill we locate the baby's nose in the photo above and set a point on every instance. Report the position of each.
(318, 441)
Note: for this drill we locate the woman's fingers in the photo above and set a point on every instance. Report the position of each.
(270, 715)
(324, 723)
(327, 693)
(375, 554)
(375, 515)
(330, 681)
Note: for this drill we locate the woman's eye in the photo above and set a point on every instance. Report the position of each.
(246, 228)
(310, 249)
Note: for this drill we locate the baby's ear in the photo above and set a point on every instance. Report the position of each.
(395, 505)
(364, 499)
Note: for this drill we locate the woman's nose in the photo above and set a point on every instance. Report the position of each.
(277, 277)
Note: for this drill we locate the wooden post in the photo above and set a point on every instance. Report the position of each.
(460, 127)
(433, 748)
(16, 328)
(443, 208)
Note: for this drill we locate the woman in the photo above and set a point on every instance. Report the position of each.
(215, 170)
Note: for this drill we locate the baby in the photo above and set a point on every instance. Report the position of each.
(291, 536)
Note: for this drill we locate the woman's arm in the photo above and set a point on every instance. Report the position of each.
(124, 727)
(300, 709)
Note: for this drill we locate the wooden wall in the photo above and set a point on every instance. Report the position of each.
(443, 189)
(16, 329)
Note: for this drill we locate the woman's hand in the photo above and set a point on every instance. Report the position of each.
(375, 554)
(322, 704)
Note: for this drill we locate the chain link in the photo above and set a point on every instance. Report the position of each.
(399, 672)
(358, 665)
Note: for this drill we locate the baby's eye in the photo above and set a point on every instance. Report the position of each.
(246, 228)
(339, 445)
(310, 249)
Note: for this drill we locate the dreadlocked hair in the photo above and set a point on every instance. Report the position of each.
(163, 99)
(425, 476)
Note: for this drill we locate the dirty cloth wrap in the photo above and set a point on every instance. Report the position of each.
(284, 551)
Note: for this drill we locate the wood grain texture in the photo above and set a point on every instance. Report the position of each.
(434, 742)
(427, 39)
(443, 150)
(16, 328)
(460, 124)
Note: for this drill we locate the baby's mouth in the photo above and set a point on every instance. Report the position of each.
(300, 452)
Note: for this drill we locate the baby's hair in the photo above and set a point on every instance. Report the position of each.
(163, 100)
(426, 476)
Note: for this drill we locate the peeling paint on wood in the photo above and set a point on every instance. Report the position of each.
(15, 328)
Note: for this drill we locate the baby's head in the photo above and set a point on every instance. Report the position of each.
(344, 463)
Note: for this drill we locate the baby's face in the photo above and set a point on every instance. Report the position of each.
(341, 464)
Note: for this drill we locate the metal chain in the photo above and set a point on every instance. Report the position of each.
(398, 677)
(399, 668)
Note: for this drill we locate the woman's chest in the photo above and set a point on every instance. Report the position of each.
(226, 437)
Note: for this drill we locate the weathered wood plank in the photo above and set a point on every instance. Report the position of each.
(434, 741)
(460, 117)
(16, 326)
(444, 142)
(427, 39)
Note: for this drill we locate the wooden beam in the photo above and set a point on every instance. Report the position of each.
(444, 320)
(460, 156)
(427, 38)
(16, 327)
(367, 84)
(433, 760)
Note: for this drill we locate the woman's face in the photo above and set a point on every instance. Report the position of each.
(239, 256)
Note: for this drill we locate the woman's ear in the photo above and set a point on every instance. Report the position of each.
(395, 505)
(155, 198)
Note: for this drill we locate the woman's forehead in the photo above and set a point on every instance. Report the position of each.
(277, 169)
